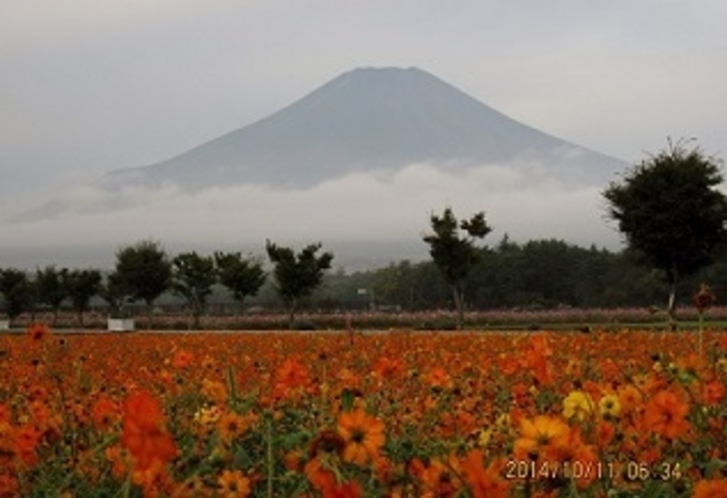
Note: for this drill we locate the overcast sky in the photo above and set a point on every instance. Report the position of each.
(89, 86)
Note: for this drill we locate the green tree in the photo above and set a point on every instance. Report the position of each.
(242, 276)
(17, 292)
(145, 272)
(50, 288)
(81, 286)
(670, 212)
(297, 275)
(114, 293)
(192, 278)
(453, 254)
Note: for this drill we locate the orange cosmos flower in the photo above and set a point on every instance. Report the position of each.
(292, 373)
(537, 358)
(710, 489)
(27, 438)
(350, 489)
(232, 425)
(233, 484)
(8, 485)
(714, 392)
(630, 398)
(387, 368)
(439, 379)
(541, 433)
(214, 391)
(363, 434)
(4, 413)
(182, 359)
(484, 482)
(104, 412)
(575, 450)
(666, 414)
(144, 434)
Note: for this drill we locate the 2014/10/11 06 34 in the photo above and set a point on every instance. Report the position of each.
(577, 469)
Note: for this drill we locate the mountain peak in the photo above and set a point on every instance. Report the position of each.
(366, 119)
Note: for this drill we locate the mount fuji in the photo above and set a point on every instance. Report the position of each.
(369, 120)
(363, 159)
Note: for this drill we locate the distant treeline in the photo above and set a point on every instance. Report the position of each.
(539, 274)
(534, 275)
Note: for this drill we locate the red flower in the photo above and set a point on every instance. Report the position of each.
(144, 434)
(38, 331)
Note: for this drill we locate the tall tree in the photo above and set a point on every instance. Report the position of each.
(297, 275)
(454, 254)
(145, 271)
(670, 211)
(242, 276)
(17, 292)
(50, 288)
(81, 286)
(192, 278)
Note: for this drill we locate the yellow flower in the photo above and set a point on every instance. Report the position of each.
(578, 405)
(480, 438)
(208, 416)
(610, 407)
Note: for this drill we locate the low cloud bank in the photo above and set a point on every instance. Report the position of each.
(360, 207)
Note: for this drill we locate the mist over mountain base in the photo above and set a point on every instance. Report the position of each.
(368, 220)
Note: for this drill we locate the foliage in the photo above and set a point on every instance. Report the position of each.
(114, 293)
(81, 286)
(297, 275)
(242, 276)
(17, 291)
(144, 271)
(50, 288)
(453, 254)
(670, 211)
(192, 278)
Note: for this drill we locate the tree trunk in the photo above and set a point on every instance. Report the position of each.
(150, 314)
(80, 318)
(459, 304)
(671, 307)
(291, 313)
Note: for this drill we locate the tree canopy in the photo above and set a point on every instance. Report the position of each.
(192, 278)
(670, 211)
(144, 271)
(50, 288)
(297, 275)
(455, 254)
(17, 291)
(81, 286)
(242, 276)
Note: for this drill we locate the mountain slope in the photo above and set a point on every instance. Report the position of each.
(368, 120)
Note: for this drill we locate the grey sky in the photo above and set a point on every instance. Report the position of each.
(89, 86)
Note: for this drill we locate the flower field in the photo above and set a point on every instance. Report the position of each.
(399, 414)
